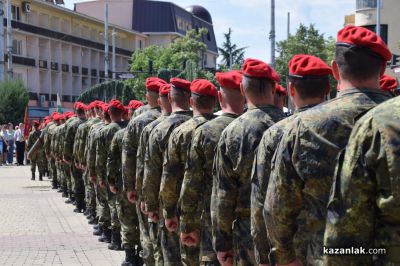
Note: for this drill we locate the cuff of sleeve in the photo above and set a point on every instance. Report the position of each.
(151, 207)
(284, 256)
(188, 225)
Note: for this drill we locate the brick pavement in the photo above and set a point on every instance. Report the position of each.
(38, 228)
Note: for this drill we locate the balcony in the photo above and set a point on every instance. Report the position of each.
(54, 66)
(43, 64)
(93, 72)
(75, 69)
(20, 60)
(85, 71)
(65, 68)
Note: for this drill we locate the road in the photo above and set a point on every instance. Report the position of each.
(38, 228)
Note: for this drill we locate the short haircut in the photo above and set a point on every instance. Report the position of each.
(152, 94)
(107, 116)
(179, 95)
(115, 111)
(357, 63)
(204, 101)
(256, 86)
(310, 87)
(80, 111)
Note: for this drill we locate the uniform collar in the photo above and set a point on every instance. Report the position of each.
(230, 115)
(267, 106)
(305, 108)
(362, 90)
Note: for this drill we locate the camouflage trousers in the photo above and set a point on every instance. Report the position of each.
(77, 184)
(112, 206)
(207, 253)
(60, 173)
(53, 170)
(39, 161)
(170, 246)
(102, 209)
(68, 180)
(155, 238)
(128, 222)
(90, 194)
(243, 243)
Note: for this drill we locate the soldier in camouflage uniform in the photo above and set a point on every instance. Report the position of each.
(304, 163)
(47, 148)
(56, 147)
(363, 209)
(38, 159)
(69, 142)
(157, 144)
(149, 231)
(141, 110)
(308, 87)
(203, 100)
(233, 161)
(195, 197)
(130, 143)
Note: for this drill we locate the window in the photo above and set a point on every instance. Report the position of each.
(15, 15)
(17, 47)
(208, 36)
(140, 44)
(384, 31)
(361, 4)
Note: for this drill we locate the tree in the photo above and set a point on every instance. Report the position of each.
(230, 51)
(14, 99)
(109, 90)
(306, 40)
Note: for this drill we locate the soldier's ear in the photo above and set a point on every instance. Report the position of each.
(291, 89)
(335, 70)
(242, 90)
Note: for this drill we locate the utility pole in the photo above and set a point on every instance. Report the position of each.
(9, 41)
(288, 25)
(106, 58)
(272, 33)
(114, 64)
(378, 17)
(1, 42)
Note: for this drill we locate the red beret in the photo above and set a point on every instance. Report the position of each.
(104, 107)
(53, 114)
(35, 123)
(63, 117)
(203, 87)
(362, 37)
(56, 117)
(258, 69)
(47, 117)
(76, 104)
(116, 104)
(307, 65)
(80, 106)
(153, 84)
(388, 83)
(180, 83)
(280, 89)
(165, 89)
(229, 80)
(135, 104)
(95, 104)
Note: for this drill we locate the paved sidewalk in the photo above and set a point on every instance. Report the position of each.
(38, 228)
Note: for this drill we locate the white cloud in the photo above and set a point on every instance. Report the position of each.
(250, 3)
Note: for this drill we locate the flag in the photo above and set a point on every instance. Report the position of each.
(59, 108)
(26, 123)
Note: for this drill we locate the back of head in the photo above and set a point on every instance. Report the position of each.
(180, 91)
(204, 95)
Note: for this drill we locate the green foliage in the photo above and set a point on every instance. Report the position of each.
(109, 90)
(228, 48)
(14, 99)
(307, 40)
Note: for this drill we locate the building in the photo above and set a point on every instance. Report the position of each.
(58, 51)
(365, 16)
(162, 22)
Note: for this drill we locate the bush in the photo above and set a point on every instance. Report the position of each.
(13, 101)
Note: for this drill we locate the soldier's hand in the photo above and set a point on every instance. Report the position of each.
(83, 167)
(154, 216)
(296, 262)
(114, 189)
(190, 239)
(143, 208)
(132, 196)
(225, 258)
(172, 224)
(77, 165)
(93, 179)
(102, 183)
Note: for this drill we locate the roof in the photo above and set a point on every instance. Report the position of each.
(162, 17)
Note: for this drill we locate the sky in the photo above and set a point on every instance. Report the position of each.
(250, 19)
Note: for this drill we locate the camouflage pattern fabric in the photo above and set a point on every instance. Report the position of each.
(363, 209)
(38, 159)
(141, 110)
(232, 167)
(303, 169)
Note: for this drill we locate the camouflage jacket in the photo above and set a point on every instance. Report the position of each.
(196, 189)
(141, 110)
(57, 142)
(303, 168)
(144, 138)
(232, 167)
(70, 131)
(259, 182)
(81, 139)
(363, 209)
(32, 138)
(103, 144)
(153, 160)
(48, 137)
(114, 162)
(130, 145)
(175, 157)
(90, 153)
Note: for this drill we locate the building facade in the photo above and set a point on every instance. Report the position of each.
(365, 15)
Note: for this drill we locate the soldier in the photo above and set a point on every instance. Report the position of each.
(388, 83)
(48, 134)
(130, 143)
(195, 198)
(309, 84)
(153, 166)
(76, 174)
(37, 159)
(149, 231)
(280, 96)
(233, 161)
(135, 105)
(305, 160)
(363, 209)
(57, 148)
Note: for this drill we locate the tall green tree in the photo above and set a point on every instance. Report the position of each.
(229, 51)
(306, 40)
(14, 99)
